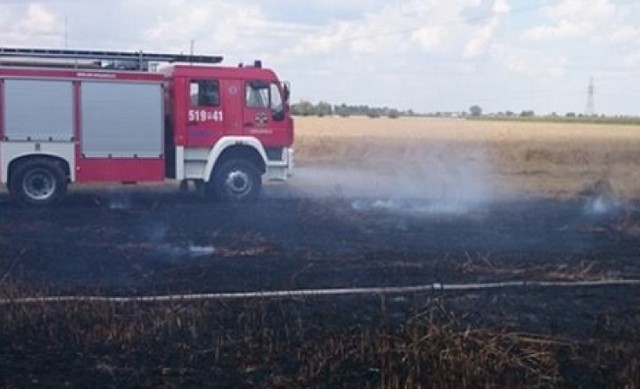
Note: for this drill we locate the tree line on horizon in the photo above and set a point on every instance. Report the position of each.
(307, 108)
(321, 109)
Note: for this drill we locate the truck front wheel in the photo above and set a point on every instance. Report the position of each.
(38, 182)
(236, 180)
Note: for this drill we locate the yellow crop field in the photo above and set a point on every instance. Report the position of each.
(510, 158)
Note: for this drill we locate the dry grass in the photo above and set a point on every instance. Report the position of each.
(546, 159)
(483, 266)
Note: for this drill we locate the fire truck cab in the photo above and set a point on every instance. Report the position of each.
(83, 120)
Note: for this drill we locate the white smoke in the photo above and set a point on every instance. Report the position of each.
(604, 205)
(440, 179)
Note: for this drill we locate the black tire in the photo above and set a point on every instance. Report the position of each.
(235, 180)
(38, 182)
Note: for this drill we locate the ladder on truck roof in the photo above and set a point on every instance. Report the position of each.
(119, 59)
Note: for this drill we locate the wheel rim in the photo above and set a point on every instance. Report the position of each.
(39, 184)
(238, 182)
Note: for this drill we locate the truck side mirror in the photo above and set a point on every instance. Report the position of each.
(278, 115)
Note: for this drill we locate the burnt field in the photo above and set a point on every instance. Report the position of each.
(157, 242)
(373, 204)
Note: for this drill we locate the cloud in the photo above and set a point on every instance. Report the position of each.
(373, 32)
(574, 19)
(631, 61)
(501, 7)
(430, 25)
(529, 62)
(236, 29)
(333, 49)
(39, 22)
(33, 25)
(429, 38)
(625, 34)
(564, 29)
(515, 61)
(480, 42)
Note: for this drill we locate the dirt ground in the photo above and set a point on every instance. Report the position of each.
(344, 222)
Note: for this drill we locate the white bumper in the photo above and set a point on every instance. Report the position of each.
(280, 170)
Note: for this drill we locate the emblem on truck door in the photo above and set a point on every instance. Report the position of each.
(261, 119)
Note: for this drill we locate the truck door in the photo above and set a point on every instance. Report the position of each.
(205, 116)
(264, 115)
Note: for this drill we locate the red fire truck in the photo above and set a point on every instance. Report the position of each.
(95, 117)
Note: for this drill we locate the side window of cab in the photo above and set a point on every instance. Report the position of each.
(204, 93)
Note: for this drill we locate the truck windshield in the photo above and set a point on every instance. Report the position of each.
(264, 95)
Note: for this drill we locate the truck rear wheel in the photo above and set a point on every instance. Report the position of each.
(38, 182)
(236, 180)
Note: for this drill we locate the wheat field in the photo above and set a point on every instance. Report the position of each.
(512, 158)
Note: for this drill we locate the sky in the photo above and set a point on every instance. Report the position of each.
(425, 55)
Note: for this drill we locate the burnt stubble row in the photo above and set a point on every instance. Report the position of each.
(152, 243)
